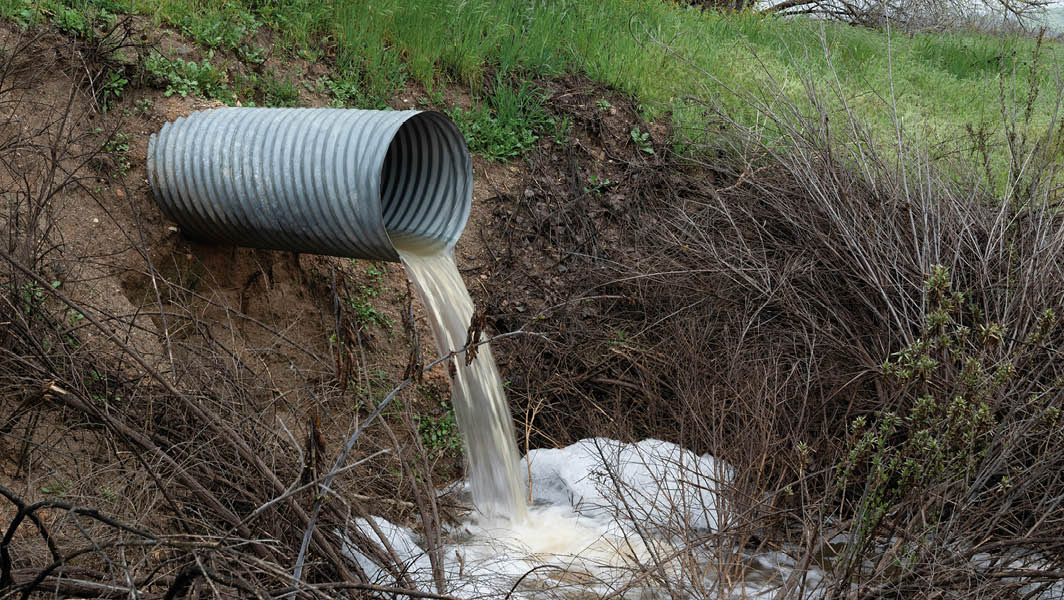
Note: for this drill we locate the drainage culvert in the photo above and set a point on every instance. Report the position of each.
(316, 180)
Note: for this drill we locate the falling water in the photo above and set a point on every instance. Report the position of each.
(477, 392)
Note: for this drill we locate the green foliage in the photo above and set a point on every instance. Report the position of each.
(642, 139)
(964, 57)
(508, 125)
(111, 88)
(595, 184)
(56, 488)
(33, 297)
(76, 18)
(143, 106)
(439, 434)
(71, 22)
(118, 147)
(943, 438)
(344, 93)
(267, 90)
(561, 128)
(183, 77)
(361, 303)
(661, 53)
(224, 27)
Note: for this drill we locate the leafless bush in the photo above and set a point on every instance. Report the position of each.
(914, 15)
(146, 450)
(891, 323)
(870, 335)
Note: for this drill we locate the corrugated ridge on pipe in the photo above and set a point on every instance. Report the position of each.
(341, 182)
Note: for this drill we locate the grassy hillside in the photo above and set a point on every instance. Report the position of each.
(810, 290)
(671, 58)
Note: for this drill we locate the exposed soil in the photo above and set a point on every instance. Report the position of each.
(289, 352)
(277, 317)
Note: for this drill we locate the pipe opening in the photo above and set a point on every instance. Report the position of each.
(426, 184)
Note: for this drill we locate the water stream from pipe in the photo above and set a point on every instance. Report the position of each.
(477, 391)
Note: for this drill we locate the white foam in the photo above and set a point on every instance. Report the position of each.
(651, 482)
(600, 506)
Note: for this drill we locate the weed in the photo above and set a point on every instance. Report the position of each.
(225, 26)
(33, 296)
(22, 13)
(642, 140)
(183, 77)
(118, 147)
(364, 311)
(509, 125)
(440, 435)
(56, 488)
(110, 90)
(268, 90)
(143, 106)
(562, 127)
(344, 93)
(603, 104)
(595, 184)
(71, 22)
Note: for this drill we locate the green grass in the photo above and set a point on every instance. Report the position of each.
(508, 124)
(661, 53)
(185, 77)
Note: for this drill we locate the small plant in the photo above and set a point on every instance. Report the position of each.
(508, 125)
(56, 488)
(33, 296)
(344, 92)
(561, 128)
(143, 106)
(603, 104)
(440, 435)
(110, 90)
(183, 77)
(269, 89)
(252, 55)
(365, 313)
(226, 28)
(118, 147)
(595, 184)
(71, 22)
(642, 140)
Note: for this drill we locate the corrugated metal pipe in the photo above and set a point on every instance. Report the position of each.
(316, 180)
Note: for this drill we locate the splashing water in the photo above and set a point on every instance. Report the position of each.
(572, 539)
(477, 392)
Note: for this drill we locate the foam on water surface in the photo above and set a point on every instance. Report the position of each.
(601, 512)
(599, 518)
(607, 518)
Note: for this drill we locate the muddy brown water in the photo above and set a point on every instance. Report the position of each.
(477, 390)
